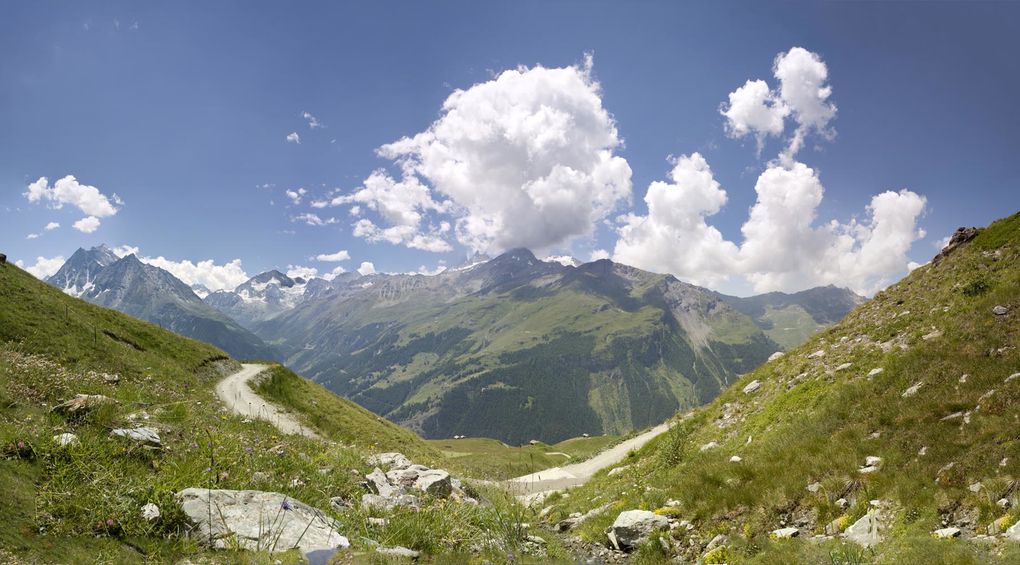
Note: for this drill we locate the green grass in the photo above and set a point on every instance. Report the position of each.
(810, 422)
(57, 500)
(485, 458)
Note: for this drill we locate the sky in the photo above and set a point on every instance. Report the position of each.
(747, 147)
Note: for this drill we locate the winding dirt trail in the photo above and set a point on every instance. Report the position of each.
(236, 393)
(537, 485)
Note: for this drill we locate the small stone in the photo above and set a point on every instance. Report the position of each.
(259, 477)
(397, 551)
(66, 439)
(975, 488)
(752, 386)
(1004, 462)
(378, 522)
(873, 460)
(709, 445)
(817, 354)
(150, 512)
(1012, 377)
(842, 503)
(535, 540)
(923, 451)
(392, 459)
(617, 470)
(147, 436)
(111, 379)
(776, 355)
(963, 378)
(932, 335)
(875, 372)
(338, 503)
(1000, 310)
(912, 390)
(844, 366)
(785, 533)
(718, 540)
(735, 459)
(1002, 503)
(814, 487)
(947, 533)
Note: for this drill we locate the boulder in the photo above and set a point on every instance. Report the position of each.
(369, 501)
(378, 484)
(258, 521)
(867, 531)
(397, 551)
(146, 436)
(959, 237)
(1013, 532)
(407, 476)
(785, 533)
(66, 439)
(393, 460)
(634, 526)
(82, 404)
(752, 386)
(947, 533)
(435, 482)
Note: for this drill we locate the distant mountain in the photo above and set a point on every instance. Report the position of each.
(259, 298)
(517, 348)
(790, 319)
(150, 293)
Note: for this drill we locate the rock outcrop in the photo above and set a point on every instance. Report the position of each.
(634, 526)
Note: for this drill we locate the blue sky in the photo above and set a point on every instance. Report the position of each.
(183, 111)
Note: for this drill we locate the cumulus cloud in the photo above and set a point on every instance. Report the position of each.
(52, 226)
(754, 109)
(313, 122)
(125, 250)
(312, 219)
(293, 137)
(598, 255)
(523, 160)
(226, 276)
(68, 191)
(341, 255)
(43, 267)
(674, 236)
(32, 236)
(87, 224)
(366, 268)
(295, 196)
(295, 271)
(784, 248)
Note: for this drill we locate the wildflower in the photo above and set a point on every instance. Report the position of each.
(110, 523)
(285, 504)
(248, 450)
(21, 445)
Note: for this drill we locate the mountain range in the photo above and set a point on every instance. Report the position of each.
(513, 347)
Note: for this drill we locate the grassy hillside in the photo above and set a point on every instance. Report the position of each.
(81, 503)
(486, 458)
(920, 376)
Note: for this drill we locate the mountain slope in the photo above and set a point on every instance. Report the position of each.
(150, 293)
(790, 319)
(925, 377)
(518, 349)
(53, 346)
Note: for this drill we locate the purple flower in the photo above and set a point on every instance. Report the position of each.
(21, 445)
(285, 504)
(110, 523)
(248, 450)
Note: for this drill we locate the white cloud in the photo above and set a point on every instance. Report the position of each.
(88, 224)
(32, 236)
(598, 255)
(522, 160)
(295, 271)
(52, 226)
(341, 255)
(674, 236)
(366, 268)
(942, 243)
(754, 108)
(293, 137)
(226, 276)
(313, 122)
(783, 247)
(43, 267)
(313, 219)
(125, 250)
(295, 196)
(68, 190)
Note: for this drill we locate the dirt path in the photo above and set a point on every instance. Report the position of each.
(236, 393)
(537, 485)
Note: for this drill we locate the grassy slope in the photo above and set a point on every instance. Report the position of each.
(56, 499)
(810, 422)
(486, 458)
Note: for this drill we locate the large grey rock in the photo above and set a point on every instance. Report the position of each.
(147, 436)
(867, 531)
(405, 476)
(258, 521)
(435, 482)
(1013, 532)
(634, 526)
(393, 460)
(369, 501)
(379, 484)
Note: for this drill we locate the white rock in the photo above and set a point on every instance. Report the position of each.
(1002, 503)
(844, 366)
(1013, 532)
(842, 503)
(150, 512)
(817, 354)
(976, 487)
(932, 335)
(397, 551)
(1000, 310)
(148, 436)
(378, 483)
(258, 521)
(633, 526)
(392, 459)
(776, 355)
(912, 390)
(785, 533)
(963, 378)
(946, 533)
(867, 531)
(814, 487)
(1012, 377)
(66, 439)
(369, 501)
(378, 522)
(873, 460)
(752, 386)
(923, 451)
(735, 459)
(617, 470)
(718, 540)
(435, 482)
(709, 445)
(875, 372)
(867, 469)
